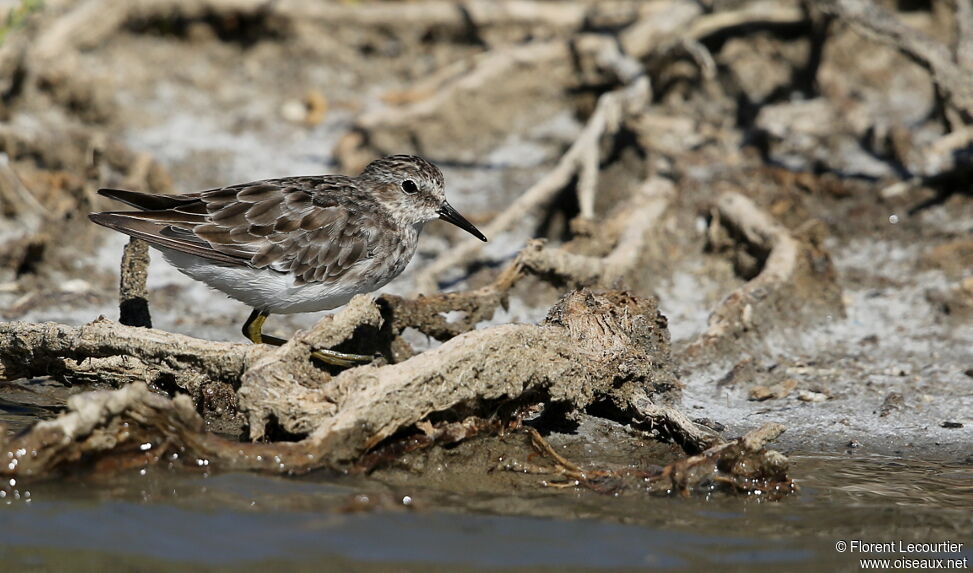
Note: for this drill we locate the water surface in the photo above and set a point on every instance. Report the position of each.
(242, 522)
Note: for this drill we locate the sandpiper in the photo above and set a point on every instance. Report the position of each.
(296, 244)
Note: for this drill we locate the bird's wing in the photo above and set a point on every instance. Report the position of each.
(294, 225)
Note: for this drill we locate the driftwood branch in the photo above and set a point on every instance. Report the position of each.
(574, 355)
(133, 426)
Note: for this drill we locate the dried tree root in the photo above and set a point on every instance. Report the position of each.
(752, 13)
(591, 346)
(117, 354)
(133, 426)
(667, 422)
(287, 385)
(797, 278)
(663, 25)
(425, 313)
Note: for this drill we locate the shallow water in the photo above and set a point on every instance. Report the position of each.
(243, 522)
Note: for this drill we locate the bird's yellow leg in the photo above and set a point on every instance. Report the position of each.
(253, 330)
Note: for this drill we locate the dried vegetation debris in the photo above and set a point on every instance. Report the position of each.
(663, 91)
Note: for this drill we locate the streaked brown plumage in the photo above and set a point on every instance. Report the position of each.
(296, 244)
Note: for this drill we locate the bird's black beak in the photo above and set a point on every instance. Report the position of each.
(447, 213)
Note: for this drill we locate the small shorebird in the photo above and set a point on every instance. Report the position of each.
(296, 244)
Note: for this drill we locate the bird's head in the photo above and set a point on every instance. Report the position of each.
(415, 191)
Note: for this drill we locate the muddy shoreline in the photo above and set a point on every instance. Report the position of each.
(788, 192)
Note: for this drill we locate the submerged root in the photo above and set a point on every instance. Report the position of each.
(742, 465)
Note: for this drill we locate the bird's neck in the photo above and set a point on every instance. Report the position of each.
(405, 223)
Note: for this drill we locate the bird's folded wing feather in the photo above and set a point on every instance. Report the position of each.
(279, 224)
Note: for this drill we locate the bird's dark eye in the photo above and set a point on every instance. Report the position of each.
(409, 186)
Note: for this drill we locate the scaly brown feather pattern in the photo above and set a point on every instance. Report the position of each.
(315, 228)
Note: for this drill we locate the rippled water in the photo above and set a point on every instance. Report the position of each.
(243, 522)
